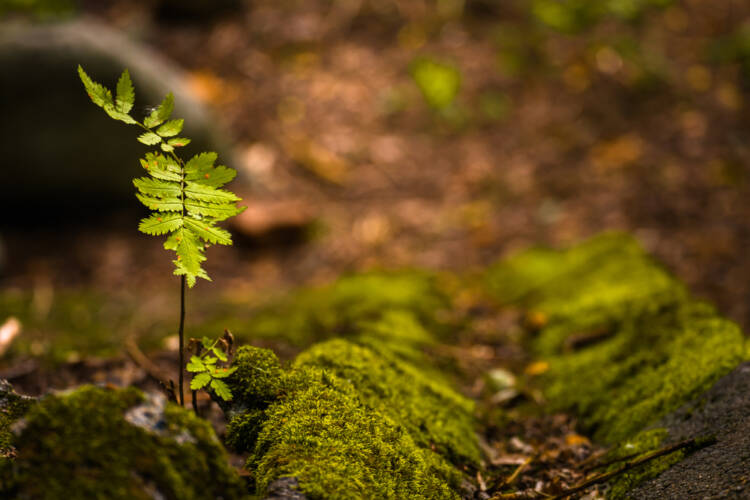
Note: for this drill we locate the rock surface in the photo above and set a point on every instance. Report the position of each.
(116, 444)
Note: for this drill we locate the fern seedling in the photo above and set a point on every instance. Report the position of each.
(209, 365)
(185, 197)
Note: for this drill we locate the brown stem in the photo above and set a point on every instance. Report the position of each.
(182, 336)
(195, 402)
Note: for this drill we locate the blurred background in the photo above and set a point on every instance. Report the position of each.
(368, 134)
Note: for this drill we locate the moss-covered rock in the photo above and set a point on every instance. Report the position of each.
(366, 417)
(625, 343)
(12, 407)
(117, 444)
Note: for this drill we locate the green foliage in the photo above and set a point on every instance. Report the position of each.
(650, 347)
(185, 196)
(209, 368)
(438, 82)
(117, 444)
(367, 418)
(570, 16)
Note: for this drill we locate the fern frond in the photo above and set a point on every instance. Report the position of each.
(158, 224)
(189, 256)
(149, 138)
(99, 94)
(201, 192)
(171, 128)
(218, 212)
(125, 93)
(160, 114)
(201, 161)
(161, 204)
(156, 187)
(178, 141)
(212, 176)
(208, 231)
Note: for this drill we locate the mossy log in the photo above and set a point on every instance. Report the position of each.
(363, 417)
(625, 343)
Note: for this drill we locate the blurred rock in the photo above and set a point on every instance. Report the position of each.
(62, 153)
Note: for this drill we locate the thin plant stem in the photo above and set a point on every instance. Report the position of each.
(195, 402)
(182, 336)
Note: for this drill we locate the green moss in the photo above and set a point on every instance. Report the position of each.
(654, 348)
(12, 407)
(643, 442)
(117, 444)
(312, 314)
(258, 379)
(366, 417)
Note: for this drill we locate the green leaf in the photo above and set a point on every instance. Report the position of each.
(118, 115)
(189, 256)
(161, 204)
(201, 161)
(100, 95)
(219, 353)
(211, 176)
(218, 212)
(166, 147)
(209, 194)
(207, 343)
(195, 365)
(208, 231)
(160, 223)
(221, 389)
(210, 360)
(162, 113)
(125, 93)
(156, 187)
(223, 372)
(178, 142)
(201, 380)
(171, 128)
(149, 138)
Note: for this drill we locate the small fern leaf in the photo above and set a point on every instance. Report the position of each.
(171, 128)
(217, 211)
(189, 256)
(208, 194)
(125, 93)
(178, 142)
(160, 114)
(160, 223)
(200, 161)
(156, 187)
(161, 204)
(166, 147)
(208, 231)
(99, 94)
(221, 389)
(200, 381)
(149, 138)
(196, 365)
(215, 177)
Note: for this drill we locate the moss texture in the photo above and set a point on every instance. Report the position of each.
(117, 444)
(12, 407)
(625, 343)
(363, 417)
(312, 314)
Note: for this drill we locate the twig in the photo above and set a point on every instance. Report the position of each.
(605, 476)
(512, 478)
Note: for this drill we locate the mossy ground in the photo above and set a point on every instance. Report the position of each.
(80, 445)
(364, 416)
(624, 341)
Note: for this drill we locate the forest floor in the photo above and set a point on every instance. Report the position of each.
(551, 137)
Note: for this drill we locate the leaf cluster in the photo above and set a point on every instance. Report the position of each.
(210, 365)
(186, 197)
